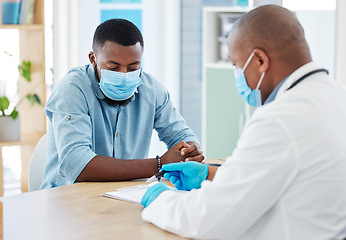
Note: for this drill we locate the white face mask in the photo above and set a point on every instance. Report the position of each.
(251, 96)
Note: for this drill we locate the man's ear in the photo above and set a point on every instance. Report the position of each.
(92, 58)
(262, 60)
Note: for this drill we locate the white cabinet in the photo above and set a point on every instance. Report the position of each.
(223, 110)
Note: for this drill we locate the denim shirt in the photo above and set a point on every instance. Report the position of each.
(82, 124)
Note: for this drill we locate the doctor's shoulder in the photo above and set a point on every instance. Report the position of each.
(285, 107)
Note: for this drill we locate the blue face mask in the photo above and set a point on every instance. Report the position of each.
(251, 96)
(119, 86)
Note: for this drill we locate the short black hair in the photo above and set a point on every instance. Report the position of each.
(120, 31)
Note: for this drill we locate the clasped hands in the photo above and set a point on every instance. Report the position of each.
(181, 152)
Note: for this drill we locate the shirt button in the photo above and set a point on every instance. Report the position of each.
(116, 134)
(68, 117)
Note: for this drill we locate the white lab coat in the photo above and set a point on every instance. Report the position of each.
(285, 180)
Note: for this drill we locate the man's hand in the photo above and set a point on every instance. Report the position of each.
(182, 151)
(192, 152)
(173, 154)
(186, 175)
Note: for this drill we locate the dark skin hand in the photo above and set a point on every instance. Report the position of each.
(211, 172)
(192, 152)
(104, 168)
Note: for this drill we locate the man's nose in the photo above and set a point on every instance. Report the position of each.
(123, 70)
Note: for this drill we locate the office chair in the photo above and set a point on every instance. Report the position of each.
(37, 163)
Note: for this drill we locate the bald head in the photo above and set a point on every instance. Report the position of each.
(274, 38)
(273, 29)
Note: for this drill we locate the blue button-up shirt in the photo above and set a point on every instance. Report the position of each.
(82, 124)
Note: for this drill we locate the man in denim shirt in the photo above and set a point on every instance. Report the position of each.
(101, 116)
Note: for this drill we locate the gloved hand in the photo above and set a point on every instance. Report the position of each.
(152, 193)
(186, 175)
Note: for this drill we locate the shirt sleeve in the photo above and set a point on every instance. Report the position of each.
(169, 124)
(244, 188)
(68, 112)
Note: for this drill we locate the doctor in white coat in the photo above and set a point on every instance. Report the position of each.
(286, 179)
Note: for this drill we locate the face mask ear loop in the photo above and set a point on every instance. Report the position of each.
(248, 61)
(97, 64)
(260, 81)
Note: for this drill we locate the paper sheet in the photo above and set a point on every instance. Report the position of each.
(153, 179)
(130, 194)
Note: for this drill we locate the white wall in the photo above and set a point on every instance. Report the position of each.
(319, 29)
(326, 5)
(65, 37)
(88, 19)
(161, 32)
(318, 20)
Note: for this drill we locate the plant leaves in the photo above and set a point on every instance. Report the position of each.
(14, 113)
(37, 99)
(33, 98)
(24, 69)
(4, 103)
(9, 54)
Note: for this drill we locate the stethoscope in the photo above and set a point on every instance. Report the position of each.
(307, 75)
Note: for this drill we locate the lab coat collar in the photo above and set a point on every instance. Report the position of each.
(296, 75)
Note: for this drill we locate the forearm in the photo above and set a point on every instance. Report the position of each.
(104, 168)
(211, 172)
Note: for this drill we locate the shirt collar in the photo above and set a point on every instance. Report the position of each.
(274, 92)
(95, 84)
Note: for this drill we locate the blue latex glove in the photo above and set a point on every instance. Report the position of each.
(152, 193)
(186, 175)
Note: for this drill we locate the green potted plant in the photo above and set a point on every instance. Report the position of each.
(9, 118)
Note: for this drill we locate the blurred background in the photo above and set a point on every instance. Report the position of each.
(184, 49)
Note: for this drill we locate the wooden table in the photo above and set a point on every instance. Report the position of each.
(75, 212)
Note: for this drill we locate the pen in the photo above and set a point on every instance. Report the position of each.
(160, 174)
